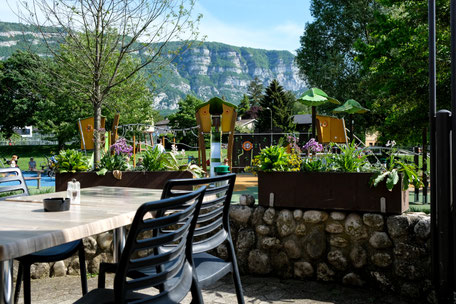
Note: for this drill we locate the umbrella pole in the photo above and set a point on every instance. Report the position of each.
(351, 127)
(314, 118)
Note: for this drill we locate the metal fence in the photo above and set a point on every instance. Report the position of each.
(247, 145)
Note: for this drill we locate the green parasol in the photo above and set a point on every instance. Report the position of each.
(351, 107)
(315, 97)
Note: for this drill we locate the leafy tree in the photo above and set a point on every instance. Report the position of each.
(100, 32)
(243, 106)
(185, 118)
(18, 97)
(280, 103)
(395, 64)
(326, 56)
(255, 92)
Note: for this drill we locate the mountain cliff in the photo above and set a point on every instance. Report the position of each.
(206, 70)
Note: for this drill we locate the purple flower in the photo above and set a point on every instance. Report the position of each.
(313, 146)
(120, 147)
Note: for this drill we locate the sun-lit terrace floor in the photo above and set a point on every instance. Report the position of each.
(258, 290)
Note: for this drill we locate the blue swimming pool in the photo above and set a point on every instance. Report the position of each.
(46, 181)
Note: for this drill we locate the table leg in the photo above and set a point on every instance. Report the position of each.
(6, 282)
(118, 243)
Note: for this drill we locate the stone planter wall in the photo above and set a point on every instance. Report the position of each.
(387, 252)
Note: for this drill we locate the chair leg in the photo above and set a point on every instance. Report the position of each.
(236, 274)
(27, 287)
(17, 290)
(197, 297)
(83, 271)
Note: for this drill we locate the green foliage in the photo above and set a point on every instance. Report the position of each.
(19, 98)
(395, 62)
(327, 56)
(395, 167)
(185, 118)
(275, 158)
(71, 161)
(255, 92)
(243, 106)
(154, 160)
(314, 165)
(281, 104)
(113, 162)
(350, 159)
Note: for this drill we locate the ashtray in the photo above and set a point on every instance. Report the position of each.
(56, 204)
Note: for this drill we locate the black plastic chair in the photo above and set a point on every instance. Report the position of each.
(212, 230)
(18, 187)
(172, 226)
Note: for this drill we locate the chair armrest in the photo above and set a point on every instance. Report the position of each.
(105, 268)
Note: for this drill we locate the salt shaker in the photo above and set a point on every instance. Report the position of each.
(74, 192)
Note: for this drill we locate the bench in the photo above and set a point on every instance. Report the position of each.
(37, 178)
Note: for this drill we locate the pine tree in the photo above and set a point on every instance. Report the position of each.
(281, 104)
(255, 92)
(243, 106)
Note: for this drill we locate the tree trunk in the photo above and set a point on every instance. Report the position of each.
(61, 144)
(97, 134)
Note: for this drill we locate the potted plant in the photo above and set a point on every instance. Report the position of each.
(331, 181)
(153, 172)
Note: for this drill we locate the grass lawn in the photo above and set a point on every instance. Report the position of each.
(25, 152)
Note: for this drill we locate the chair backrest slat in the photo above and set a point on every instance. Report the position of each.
(179, 212)
(12, 180)
(214, 215)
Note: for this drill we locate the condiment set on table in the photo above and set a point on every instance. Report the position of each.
(63, 204)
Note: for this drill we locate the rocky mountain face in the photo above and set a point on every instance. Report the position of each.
(206, 70)
(216, 69)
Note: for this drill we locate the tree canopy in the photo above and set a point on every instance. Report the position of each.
(185, 118)
(376, 52)
(395, 65)
(280, 104)
(19, 98)
(101, 34)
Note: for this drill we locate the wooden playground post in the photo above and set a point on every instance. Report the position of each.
(201, 145)
(134, 151)
(114, 134)
(231, 141)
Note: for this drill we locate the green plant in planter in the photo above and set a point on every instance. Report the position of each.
(113, 162)
(314, 164)
(71, 161)
(155, 160)
(350, 159)
(394, 169)
(275, 158)
(119, 160)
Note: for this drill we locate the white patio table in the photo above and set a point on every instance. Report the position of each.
(26, 228)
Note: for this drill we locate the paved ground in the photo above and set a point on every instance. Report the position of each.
(258, 290)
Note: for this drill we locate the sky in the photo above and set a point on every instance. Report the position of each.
(265, 24)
